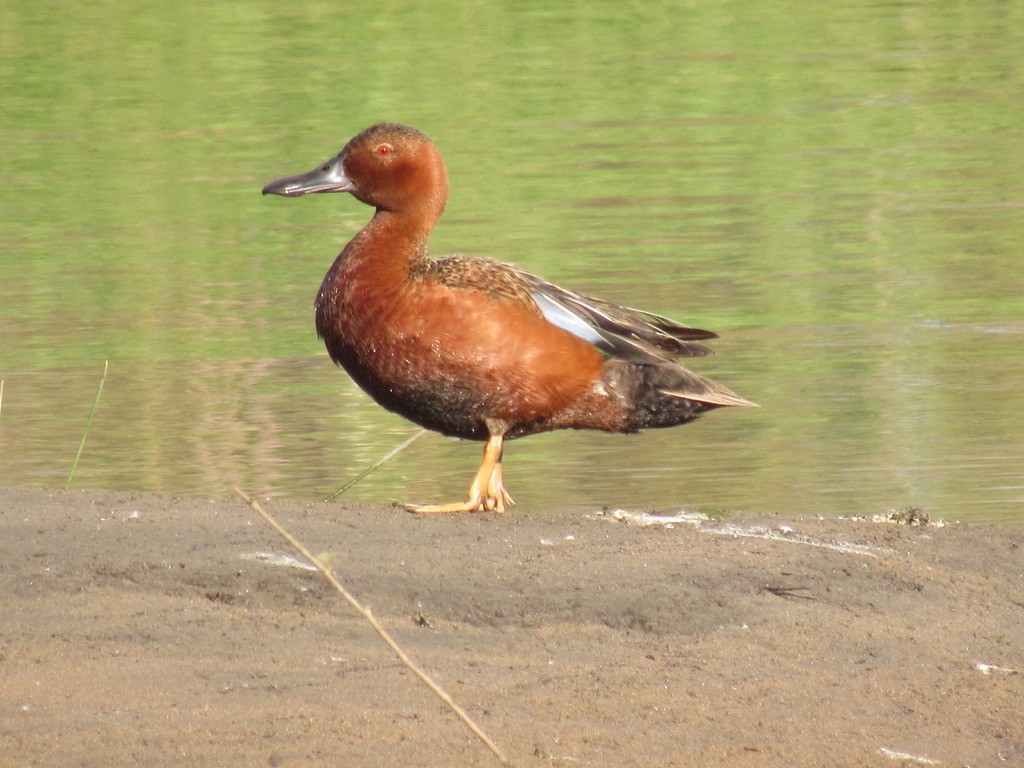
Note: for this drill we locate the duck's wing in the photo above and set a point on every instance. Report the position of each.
(622, 332)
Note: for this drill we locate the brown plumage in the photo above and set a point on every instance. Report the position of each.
(477, 348)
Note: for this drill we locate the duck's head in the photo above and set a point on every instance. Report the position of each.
(390, 166)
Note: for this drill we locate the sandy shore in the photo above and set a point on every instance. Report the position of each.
(148, 631)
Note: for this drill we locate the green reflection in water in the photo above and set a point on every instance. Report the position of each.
(835, 189)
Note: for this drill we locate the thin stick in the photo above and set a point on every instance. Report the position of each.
(88, 424)
(366, 614)
(387, 458)
(1, 396)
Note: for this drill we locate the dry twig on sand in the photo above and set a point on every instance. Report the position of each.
(383, 633)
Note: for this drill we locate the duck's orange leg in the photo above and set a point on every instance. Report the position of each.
(497, 496)
(487, 491)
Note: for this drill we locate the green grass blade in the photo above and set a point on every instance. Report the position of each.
(88, 424)
(391, 454)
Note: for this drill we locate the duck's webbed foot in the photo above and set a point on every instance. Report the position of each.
(486, 494)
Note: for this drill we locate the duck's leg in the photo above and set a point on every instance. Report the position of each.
(497, 496)
(487, 491)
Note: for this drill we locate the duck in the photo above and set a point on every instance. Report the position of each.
(477, 348)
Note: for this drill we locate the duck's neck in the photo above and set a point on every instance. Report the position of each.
(376, 262)
(390, 245)
(384, 255)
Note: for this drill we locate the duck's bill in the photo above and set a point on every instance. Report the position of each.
(328, 177)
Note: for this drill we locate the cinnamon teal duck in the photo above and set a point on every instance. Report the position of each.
(477, 348)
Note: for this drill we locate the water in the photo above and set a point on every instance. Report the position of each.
(836, 190)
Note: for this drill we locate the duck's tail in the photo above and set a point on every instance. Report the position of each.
(715, 394)
(667, 394)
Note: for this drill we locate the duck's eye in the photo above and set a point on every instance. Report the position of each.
(384, 150)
